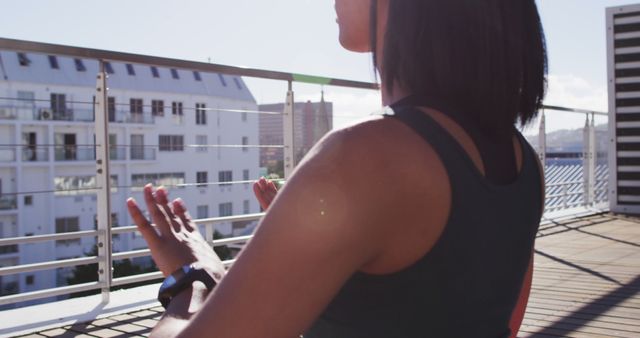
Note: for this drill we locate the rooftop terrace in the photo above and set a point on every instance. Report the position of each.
(586, 269)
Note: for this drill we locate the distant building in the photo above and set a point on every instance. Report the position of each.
(157, 118)
(312, 120)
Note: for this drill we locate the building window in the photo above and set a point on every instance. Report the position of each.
(245, 175)
(225, 209)
(176, 108)
(136, 106)
(29, 280)
(202, 212)
(243, 116)
(108, 68)
(130, 69)
(201, 114)
(157, 107)
(58, 106)
(202, 179)
(23, 60)
(246, 207)
(80, 65)
(225, 176)
(196, 75)
(67, 224)
(174, 74)
(171, 142)
(111, 108)
(237, 81)
(222, 80)
(28, 200)
(201, 140)
(245, 143)
(154, 71)
(53, 62)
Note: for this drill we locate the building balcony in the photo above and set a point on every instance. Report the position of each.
(74, 153)
(143, 154)
(66, 114)
(7, 113)
(117, 153)
(8, 249)
(7, 155)
(130, 117)
(8, 202)
(35, 154)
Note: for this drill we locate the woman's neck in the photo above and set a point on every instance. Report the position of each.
(395, 95)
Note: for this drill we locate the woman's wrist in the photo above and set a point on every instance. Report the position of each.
(189, 301)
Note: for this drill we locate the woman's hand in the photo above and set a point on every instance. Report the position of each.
(175, 240)
(265, 191)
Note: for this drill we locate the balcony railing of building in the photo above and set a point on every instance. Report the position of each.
(75, 153)
(102, 154)
(33, 153)
(8, 202)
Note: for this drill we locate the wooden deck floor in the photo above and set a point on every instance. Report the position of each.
(586, 279)
(586, 284)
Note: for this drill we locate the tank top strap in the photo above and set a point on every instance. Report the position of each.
(453, 156)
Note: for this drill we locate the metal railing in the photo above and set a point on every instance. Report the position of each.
(587, 191)
(103, 154)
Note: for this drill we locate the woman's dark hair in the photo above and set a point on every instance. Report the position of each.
(484, 58)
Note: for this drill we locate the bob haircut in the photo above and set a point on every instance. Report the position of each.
(484, 58)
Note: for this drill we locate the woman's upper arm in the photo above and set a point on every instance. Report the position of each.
(317, 233)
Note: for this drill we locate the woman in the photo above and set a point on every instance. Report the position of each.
(419, 224)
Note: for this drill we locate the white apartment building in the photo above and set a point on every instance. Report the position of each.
(157, 117)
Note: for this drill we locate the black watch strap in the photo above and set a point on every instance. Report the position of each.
(182, 279)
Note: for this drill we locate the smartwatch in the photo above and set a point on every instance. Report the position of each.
(182, 279)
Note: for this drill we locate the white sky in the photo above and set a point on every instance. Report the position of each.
(297, 36)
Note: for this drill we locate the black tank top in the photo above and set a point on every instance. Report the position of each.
(468, 284)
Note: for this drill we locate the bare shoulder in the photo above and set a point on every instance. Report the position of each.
(394, 179)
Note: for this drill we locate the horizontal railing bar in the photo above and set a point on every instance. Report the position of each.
(574, 110)
(136, 278)
(130, 254)
(147, 252)
(63, 290)
(232, 240)
(90, 53)
(44, 238)
(10, 270)
(238, 218)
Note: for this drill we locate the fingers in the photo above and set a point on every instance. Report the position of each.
(259, 192)
(272, 186)
(162, 200)
(146, 229)
(158, 216)
(180, 209)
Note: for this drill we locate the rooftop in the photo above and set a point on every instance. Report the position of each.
(586, 284)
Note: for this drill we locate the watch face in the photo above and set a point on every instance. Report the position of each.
(173, 278)
(168, 282)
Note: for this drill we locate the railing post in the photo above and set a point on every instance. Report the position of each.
(542, 140)
(208, 232)
(588, 161)
(104, 185)
(565, 195)
(287, 129)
